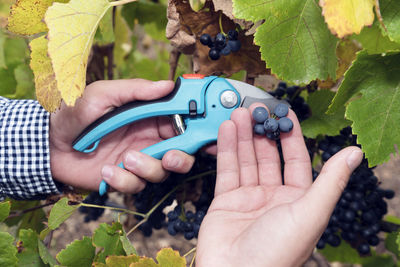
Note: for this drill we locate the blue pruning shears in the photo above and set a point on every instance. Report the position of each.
(198, 105)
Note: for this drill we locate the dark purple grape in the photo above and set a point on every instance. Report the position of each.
(234, 45)
(273, 135)
(226, 50)
(214, 54)
(232, 35)
(260, 114)
(285, 124)
(220, 40)
(281, 110)
(271, 125)
(363, 248)
(259, 129)
(205, 39)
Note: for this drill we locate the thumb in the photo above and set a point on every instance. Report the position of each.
(321, 198)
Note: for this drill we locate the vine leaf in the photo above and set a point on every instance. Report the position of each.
(390, 14)
(345, 17)
(320, 122)
(127, 245)
(45, 81)
(25, 87)
(26, 16)
(78, 253)
(392, 243)
(376, 113)
(45, 254)
(108, 237)
(374, 42)
(60, 212)
(69, 46)
(28, 251)
(4, 210)
(165, 257)
(294, 39)
(118, 261)
(7, 250)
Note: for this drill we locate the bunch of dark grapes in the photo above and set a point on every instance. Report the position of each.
(92, 214)
(221, 44)
(292, 95)
(180, 220)
(358, 214)
(272, 126)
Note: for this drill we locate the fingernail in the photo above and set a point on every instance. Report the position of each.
(132, 161)
(107, 172)
(354, 159)
(174, 163)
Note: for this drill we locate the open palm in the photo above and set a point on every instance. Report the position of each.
(257, 218)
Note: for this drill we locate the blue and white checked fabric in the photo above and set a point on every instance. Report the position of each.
(24, 150)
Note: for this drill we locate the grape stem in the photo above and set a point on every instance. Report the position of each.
(220, 24)
(112, 208)
(122, 2)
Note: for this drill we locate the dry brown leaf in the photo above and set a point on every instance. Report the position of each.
(185, 27)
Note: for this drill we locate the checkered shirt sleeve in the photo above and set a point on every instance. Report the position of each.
(24, 151)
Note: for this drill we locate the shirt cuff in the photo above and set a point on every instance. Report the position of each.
(24, 151)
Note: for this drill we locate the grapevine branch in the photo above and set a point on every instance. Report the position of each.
(22, 212)
(112, 208)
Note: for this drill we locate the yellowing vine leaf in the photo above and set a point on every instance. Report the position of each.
(45, 82)
(346, 17)
(26, 16)
(72, 27)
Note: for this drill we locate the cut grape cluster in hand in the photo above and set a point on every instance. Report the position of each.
(274, 125)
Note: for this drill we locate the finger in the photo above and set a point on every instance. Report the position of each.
(144, 166)
(177, 161)
(227, 159)
(122, 180)
(246, 155)
(321, 198)
(119, 92)
(297, 170)
(269, 163)
(165, 128)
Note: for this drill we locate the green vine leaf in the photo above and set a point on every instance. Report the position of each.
(391, 243)
(376, 113)
(60, 212)
(108, 237)
(294, 39)
(118, 261)
(69, 47)
(25, 86)
(320, 122)
(390, 14)
(26, 16)
(165, 257)
(45, 81)
(105, 33)
(79, 253)
(127, 245)
(4, 210)
(374, 42)
(28, 251)
(7, 250)
(45, 254)
(145, 12)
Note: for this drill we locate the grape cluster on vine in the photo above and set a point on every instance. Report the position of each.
(358, 214)
(222, 44)
(272, 126)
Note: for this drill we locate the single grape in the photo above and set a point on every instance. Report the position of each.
(226, 50)
(205, 39)
(273, 135)
(234, 45)
(281, 110)
(214, 54)
(285, 124)
(220, 39)
(232, 35)
(271, 125)
(363, 248)
(260, 114)
(259, 129)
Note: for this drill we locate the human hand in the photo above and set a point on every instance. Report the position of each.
(254, 219)
(87, 170)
